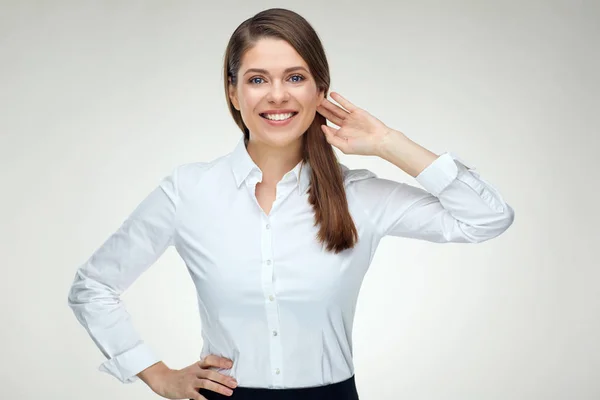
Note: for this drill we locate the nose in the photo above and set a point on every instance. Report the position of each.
(277, 93)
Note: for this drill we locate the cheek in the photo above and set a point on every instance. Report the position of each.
(308, 99)
(249, 100)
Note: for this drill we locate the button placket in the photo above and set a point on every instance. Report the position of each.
(275, 347)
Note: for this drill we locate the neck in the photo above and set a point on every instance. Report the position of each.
(275, 162)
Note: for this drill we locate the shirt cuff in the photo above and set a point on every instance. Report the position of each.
(127, 365)
(441, 173)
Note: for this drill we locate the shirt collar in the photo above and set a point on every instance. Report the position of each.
(243, 166)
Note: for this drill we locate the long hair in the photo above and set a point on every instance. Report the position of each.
(326, 192)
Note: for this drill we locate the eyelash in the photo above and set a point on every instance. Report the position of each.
(250, 81)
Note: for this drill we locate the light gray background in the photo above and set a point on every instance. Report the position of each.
(100, 100)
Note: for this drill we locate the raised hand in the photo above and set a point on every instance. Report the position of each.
(359, 132)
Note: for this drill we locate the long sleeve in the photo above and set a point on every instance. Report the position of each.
(457, 205)
(95, 293)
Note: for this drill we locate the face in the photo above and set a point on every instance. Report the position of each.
(273, 79)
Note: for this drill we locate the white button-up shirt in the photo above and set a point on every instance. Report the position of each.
(270, 297)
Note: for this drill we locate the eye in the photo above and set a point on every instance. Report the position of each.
(251, 80)
(254, 82)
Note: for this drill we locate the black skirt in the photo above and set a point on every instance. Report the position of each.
(345, 390)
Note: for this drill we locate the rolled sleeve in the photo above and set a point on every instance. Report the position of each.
(126, 366)
(449, 167)
(439, 174)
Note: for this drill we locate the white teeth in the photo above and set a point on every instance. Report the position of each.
(278, 117)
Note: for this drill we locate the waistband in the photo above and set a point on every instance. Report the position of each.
(344, 390)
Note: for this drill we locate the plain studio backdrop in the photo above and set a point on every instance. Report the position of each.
(100, 100)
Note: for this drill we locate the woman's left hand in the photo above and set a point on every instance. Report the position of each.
(359, 133)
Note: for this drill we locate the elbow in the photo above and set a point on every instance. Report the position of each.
(490, 229)
(73, 292)
(504, 221)
(77, 290)
(509, 217)
(73, 297)
(87, 291)
(495, 227)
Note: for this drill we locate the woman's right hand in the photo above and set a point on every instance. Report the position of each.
(184, 383)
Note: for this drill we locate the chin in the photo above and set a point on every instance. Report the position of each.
(283, 140)
(280, 139)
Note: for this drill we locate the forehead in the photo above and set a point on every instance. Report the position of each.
(274, 55)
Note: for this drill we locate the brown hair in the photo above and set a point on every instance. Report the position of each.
(326, 193)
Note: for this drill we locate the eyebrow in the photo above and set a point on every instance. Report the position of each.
(264, 71)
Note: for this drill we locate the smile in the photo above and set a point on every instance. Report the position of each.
(278, 119)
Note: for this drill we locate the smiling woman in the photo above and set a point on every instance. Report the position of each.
(276, 75)
(277, 235)
(276, 92)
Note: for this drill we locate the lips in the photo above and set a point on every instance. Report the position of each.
(292, 112)
(280, 123)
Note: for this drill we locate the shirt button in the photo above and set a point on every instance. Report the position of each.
(268, 226)
(268, 262)
(277, 371)
(274, 333)
(271, 298)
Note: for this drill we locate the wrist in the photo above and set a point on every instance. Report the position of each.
(390, 144)
(404, 153)
(152, 375)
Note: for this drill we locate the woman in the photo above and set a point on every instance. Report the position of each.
(277, 235)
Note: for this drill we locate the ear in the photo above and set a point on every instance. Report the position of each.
(321, 96)
(233, 95)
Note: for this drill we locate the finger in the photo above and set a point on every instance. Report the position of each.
(329, 115)
(213, 387)
(345, 103)
(334, 139)
(334, 108)
(212, 360)
(221, 378)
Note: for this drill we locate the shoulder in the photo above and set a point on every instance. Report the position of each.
(353, 175)
(188, 175)
(362, 179)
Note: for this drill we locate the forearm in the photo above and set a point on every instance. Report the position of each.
(407, 155)
(151, 374)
